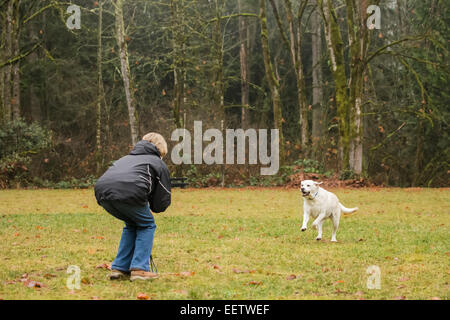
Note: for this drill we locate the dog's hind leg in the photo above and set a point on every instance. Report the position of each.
(317, 224)
(335, 218)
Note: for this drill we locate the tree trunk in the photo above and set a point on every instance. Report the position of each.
(15, 101)
(8, 52)
(335, 47)
(219, 80)
(273, 83)
(358, 43)
(2, 69)
(293, 43)
(125, 69)
(243, 53)
(178, 61)
(34, 105)
(100, 91)
(317, 94)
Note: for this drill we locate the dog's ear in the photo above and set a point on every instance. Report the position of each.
(317, 183)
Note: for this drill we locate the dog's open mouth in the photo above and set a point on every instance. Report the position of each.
(305, 193)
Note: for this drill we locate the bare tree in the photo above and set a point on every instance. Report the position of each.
(125, 69)
(243, 54)
(293, 42)
(318, 116)
(272, 80)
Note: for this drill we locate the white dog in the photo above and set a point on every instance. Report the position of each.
(321, 204)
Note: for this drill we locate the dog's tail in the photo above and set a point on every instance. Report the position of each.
(347, 210)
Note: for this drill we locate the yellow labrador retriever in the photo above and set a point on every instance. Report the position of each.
(321, 204)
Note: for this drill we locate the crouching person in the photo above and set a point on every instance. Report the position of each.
(130, 190)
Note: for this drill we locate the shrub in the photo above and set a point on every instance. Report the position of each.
(18, 142)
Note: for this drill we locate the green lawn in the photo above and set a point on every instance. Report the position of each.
(231, 244)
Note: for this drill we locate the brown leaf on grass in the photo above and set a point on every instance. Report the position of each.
(143, 296)
(33, 284)
(49, 276)
(243, 271)
(39, 228)
(216, 267)
(103, 266)
(186, 273)
(291, 277)
(253, 283)
(340, 291)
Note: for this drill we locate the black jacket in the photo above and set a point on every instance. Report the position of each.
(137, 178)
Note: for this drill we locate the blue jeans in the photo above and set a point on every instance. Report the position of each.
(136, 244)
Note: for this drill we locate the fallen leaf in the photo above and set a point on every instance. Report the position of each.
(291, 277)
(243, 271)
(104, 266)
(33, 284)
(143, 296)
(253, 283)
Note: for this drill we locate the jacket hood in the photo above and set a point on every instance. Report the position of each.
(145, 147)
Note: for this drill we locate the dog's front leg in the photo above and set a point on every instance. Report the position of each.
(305, 219)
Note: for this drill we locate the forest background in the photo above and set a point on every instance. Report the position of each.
(358, 89)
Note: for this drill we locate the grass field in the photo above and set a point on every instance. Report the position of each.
(230, 244)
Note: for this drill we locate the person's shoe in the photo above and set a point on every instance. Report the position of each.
(142, 275)
(118, 274)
